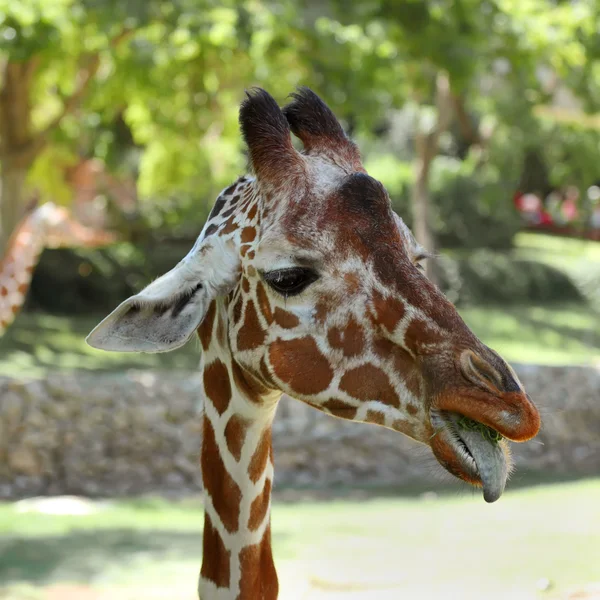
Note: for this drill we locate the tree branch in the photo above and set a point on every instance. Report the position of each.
(86, 73)
(427, 144)
(467, 129)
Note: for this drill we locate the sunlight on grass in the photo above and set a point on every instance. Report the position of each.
(417, 544)
(535, 334)
(559, 246)
(579, 259)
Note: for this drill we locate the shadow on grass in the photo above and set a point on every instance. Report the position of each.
(84, 556)
(37, 343)
(80, 556)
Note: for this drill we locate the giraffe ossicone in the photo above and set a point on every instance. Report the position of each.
(304, 281)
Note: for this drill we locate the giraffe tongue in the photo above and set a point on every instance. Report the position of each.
(490, 461)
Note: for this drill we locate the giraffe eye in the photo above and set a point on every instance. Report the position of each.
(290, 282)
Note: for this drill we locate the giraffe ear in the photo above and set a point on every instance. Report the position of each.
(166, 314)
(413, 247)
(267, 135)
(315, 124)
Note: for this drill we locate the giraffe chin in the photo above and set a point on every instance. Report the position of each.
(470, 456)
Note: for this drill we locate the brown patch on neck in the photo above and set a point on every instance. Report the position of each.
(350, 338)
(260, 507)
(247, 383)
(251, 335)
(237, 309)
(258, 578)
(300, 364)
(206, 327)
(368, 382)
(235, 434)
(215, 557)
(217, 385)
(261, 455)
(218, 483)
(222, 331)
(265, 374)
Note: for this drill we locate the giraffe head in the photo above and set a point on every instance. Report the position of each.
(60, 229)
(323, 297)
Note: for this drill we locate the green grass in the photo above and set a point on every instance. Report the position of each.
(37, 343)
(404, 546)
(538, 334)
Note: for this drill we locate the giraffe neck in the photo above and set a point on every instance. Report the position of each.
(16, 269)
(237, 472)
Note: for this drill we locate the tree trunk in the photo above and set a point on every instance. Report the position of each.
(420, 198)
(15, 142)
(427, 146)
(12, 200)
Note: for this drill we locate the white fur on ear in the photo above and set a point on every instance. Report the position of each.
(165, 314)
(410, 243)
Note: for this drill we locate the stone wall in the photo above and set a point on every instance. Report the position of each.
(138, 432)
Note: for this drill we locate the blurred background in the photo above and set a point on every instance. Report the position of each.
(118, 128)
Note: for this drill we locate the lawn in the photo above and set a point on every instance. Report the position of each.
(386, 547)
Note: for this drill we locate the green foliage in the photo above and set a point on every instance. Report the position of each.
(486, 277)
(47, 173)
(397, 176)
(162, 104)
(486, 432)
(472, 205)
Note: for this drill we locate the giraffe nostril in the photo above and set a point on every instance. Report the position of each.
(480, 372)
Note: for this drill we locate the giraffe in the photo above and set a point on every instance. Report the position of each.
(303, 281)
(47, 226)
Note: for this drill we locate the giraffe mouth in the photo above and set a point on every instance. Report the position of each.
(471, 451)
